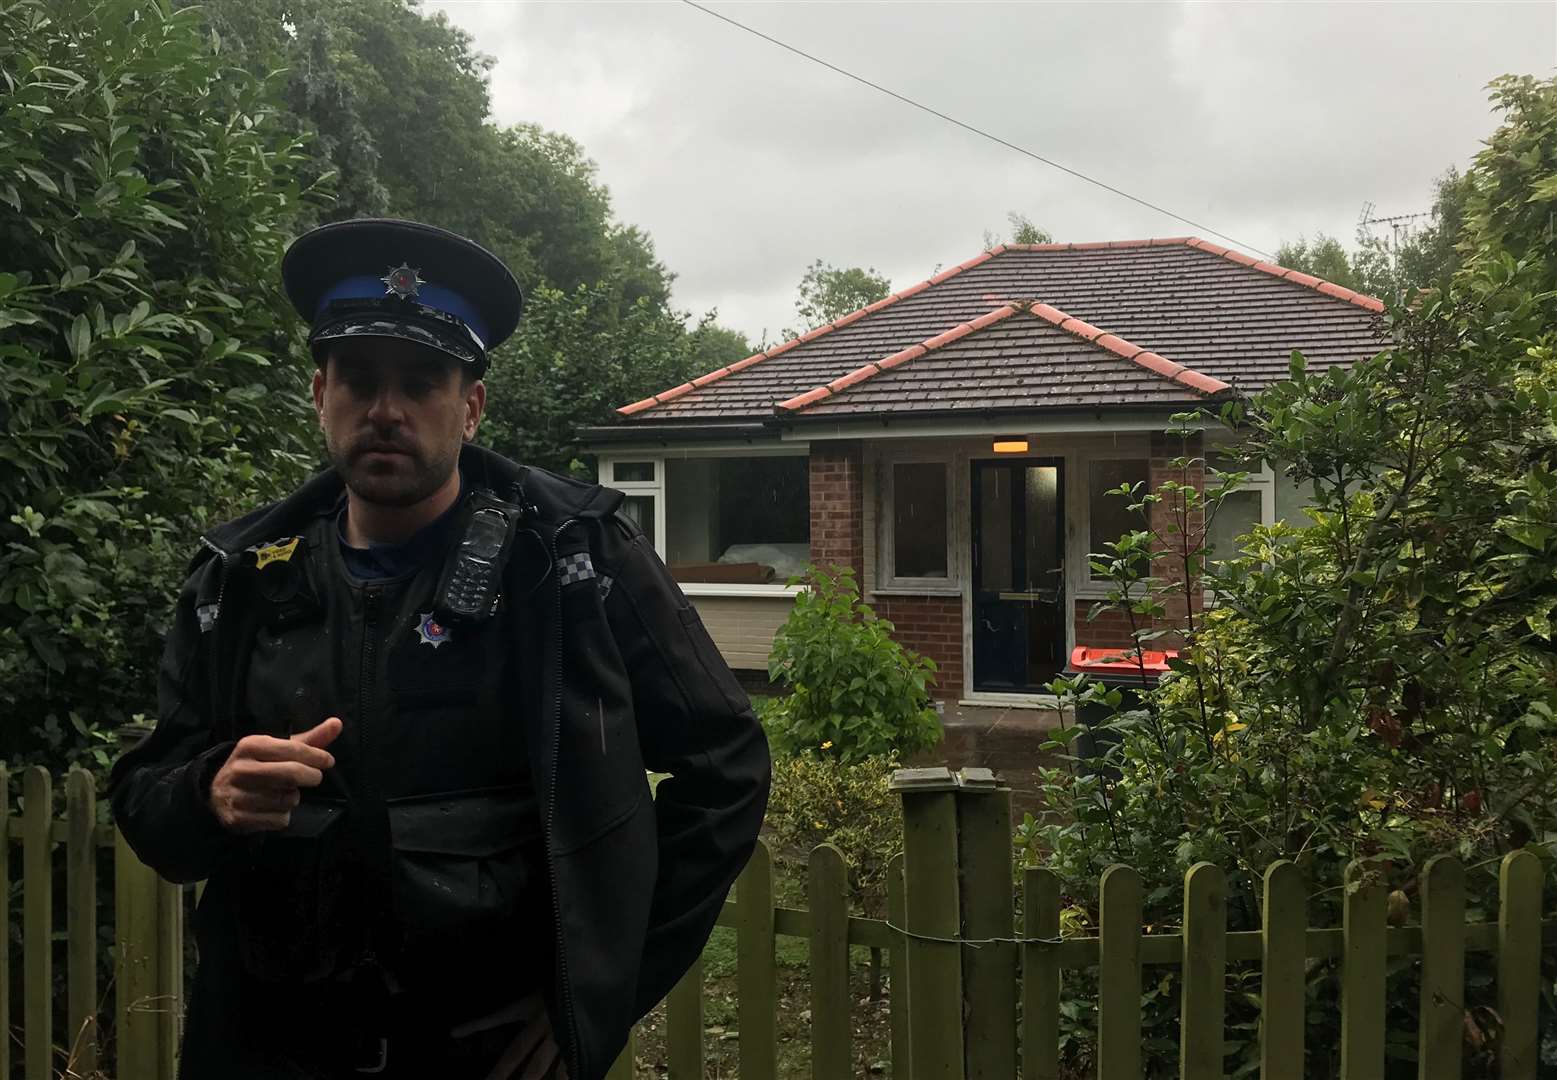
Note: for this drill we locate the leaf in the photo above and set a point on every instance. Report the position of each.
(9, 196)
(41, 178)
(79, 337)
(182, 414)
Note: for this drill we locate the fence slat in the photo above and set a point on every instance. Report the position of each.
(1519, 962)
(1040, 977)
(5, 921)
(1441, 1016)
(81, 919)
(897, 970)
(1283, 973)
(1204, 973)
(754, 975)
(684, 1025)
(934, 966)
(622, 1067)
(1362, 977)
(827, 887)
(37, 921)
(136, 994)
(989, 972)
(1119, 976)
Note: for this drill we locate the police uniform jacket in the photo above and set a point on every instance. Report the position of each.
(491, 807)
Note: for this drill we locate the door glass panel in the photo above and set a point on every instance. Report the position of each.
(995, 508)
(1041, 539)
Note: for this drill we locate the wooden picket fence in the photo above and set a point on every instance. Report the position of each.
(971, 997)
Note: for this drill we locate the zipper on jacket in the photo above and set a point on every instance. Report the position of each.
(218, 689)
(572, 1048)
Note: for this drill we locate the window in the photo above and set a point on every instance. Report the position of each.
(1110, 515)
(920, 515)
(633, 472)
(738, 520)
(1251, 503)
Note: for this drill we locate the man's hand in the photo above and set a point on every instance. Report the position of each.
(262, 779)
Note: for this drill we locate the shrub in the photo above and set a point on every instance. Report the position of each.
(148, 191)
(822, 799)
(854, 692)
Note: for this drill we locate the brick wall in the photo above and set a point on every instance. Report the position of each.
(931, 626)
(838, 507)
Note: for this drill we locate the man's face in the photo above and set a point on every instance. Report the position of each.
(394, 415)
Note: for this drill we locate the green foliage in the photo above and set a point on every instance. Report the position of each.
(828, 292)
(575, 362)
(1380, 684)
(144, 382)
(822, 798)
(1393, 267)
(854, 692)
(1023, 231)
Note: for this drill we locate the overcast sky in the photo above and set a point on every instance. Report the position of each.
(745, 162)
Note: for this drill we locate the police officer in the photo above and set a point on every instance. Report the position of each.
(406, 715)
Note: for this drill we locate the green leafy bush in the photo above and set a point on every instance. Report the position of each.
(147, 194)
(822, 799)
(1376, 686)
(854, 692)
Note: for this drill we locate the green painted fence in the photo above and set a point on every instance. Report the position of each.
(960, 964)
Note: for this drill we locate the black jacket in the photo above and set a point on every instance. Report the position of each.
(615, 675)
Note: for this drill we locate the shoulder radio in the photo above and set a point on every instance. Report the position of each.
(472, 582)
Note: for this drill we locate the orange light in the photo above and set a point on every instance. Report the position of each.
(1010, 446)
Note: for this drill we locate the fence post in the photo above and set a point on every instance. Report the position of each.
(136, 994)
(1519, 962)
(989, 972)
(684, 1025)
(1119, 976)
(827, 887)
(37, 921)
(1441, 1016)
(622, 1067)
(81, 920)
(757, 1003)
(898, 971)
(931, 912)
(1202, 1005)
(1362, 977)
(1283, 973)
(1041, 977)
(5, 920)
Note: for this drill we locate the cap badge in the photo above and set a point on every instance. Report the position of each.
(403, 281)
(431, 631)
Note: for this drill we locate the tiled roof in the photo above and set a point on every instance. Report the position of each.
(1200, 316)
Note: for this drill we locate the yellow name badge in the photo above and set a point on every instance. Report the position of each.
(280, 551)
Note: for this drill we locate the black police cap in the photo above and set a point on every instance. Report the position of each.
(379, 277)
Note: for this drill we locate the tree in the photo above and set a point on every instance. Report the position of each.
(1390, 268)
(1023, 231)
(148, 382)
(827, 292)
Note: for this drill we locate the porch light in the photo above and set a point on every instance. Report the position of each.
(1010, 446)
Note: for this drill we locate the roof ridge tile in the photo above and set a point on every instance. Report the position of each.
(1145, 358)
(1297, 277)
(897, 359)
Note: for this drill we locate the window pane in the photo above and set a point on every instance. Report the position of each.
(1110, 514)
(632, 472)
(641, 509)
(1042, 535)
(1237, 514)
(738, 520)
(1291, 497)
(919, 520)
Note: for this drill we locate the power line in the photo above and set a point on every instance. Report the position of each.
(975, 130)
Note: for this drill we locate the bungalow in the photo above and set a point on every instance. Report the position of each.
(953, 442)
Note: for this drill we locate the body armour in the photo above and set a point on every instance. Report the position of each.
(423, 845)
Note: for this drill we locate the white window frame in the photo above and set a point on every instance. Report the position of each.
(657, 489)
(887, 579)
(1263, 481)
